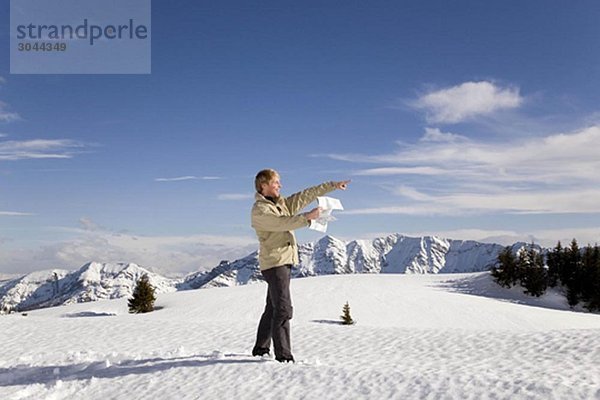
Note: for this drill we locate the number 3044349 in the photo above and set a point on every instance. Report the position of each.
(43, 46)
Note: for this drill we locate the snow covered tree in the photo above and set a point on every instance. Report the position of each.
(143, 297)
(346, 318)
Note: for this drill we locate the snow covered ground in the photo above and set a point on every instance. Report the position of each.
(417, 336)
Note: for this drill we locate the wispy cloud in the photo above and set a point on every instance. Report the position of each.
(14, 213)
(38, 148)
(235, 196)
(7, 116)
(411, 193)
(508, 201)
(466, 101)
(88, 225)
(187, 178)
(436, 135)
(552, 174)
(396, 170)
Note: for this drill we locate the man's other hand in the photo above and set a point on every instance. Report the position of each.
(313, 214)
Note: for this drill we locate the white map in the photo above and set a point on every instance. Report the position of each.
(327, 204)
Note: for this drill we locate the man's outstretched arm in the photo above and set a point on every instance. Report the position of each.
(298, 201)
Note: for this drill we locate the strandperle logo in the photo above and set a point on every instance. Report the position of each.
(87, 31)
(80, 37)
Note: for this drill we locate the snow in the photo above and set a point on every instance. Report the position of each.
(445, 336)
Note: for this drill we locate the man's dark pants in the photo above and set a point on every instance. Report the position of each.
(275, 321)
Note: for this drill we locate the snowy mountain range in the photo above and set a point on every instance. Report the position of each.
(391, 254)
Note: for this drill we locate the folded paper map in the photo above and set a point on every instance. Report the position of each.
(327, 204)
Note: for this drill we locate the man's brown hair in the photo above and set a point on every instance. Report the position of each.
(264, 177)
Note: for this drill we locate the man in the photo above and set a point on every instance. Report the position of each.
(274, 217)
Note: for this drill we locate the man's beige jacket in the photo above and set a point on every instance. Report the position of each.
(274, 224)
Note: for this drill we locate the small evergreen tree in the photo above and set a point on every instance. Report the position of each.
(346, 318)
(143, 297)
(534, 277)
(591, 282)
(555, 261)
(507, 273)
(572, 273)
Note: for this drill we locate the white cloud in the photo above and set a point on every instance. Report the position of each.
(7, 116)
(14, 213)
(89, 225)
(411, 193)
(412, 209)
(467, 101)
(559, 158)
(552, 174)
(510, 201)
(436, 135)
(187, 178)
(400, 171)
(235, 196)
(38, 148)
(164, 254)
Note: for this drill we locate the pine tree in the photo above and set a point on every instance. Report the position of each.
(143, 297)
(507, 273)
(346, 318)
(572, 274)
(555, 263)
(591, 281)
(534, 277)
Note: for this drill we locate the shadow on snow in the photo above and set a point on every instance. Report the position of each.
(327, 321)
(27, 375)
(483, 285)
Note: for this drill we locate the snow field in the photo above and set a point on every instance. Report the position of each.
(421, 337)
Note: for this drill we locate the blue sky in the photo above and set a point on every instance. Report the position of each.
(467, 119)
